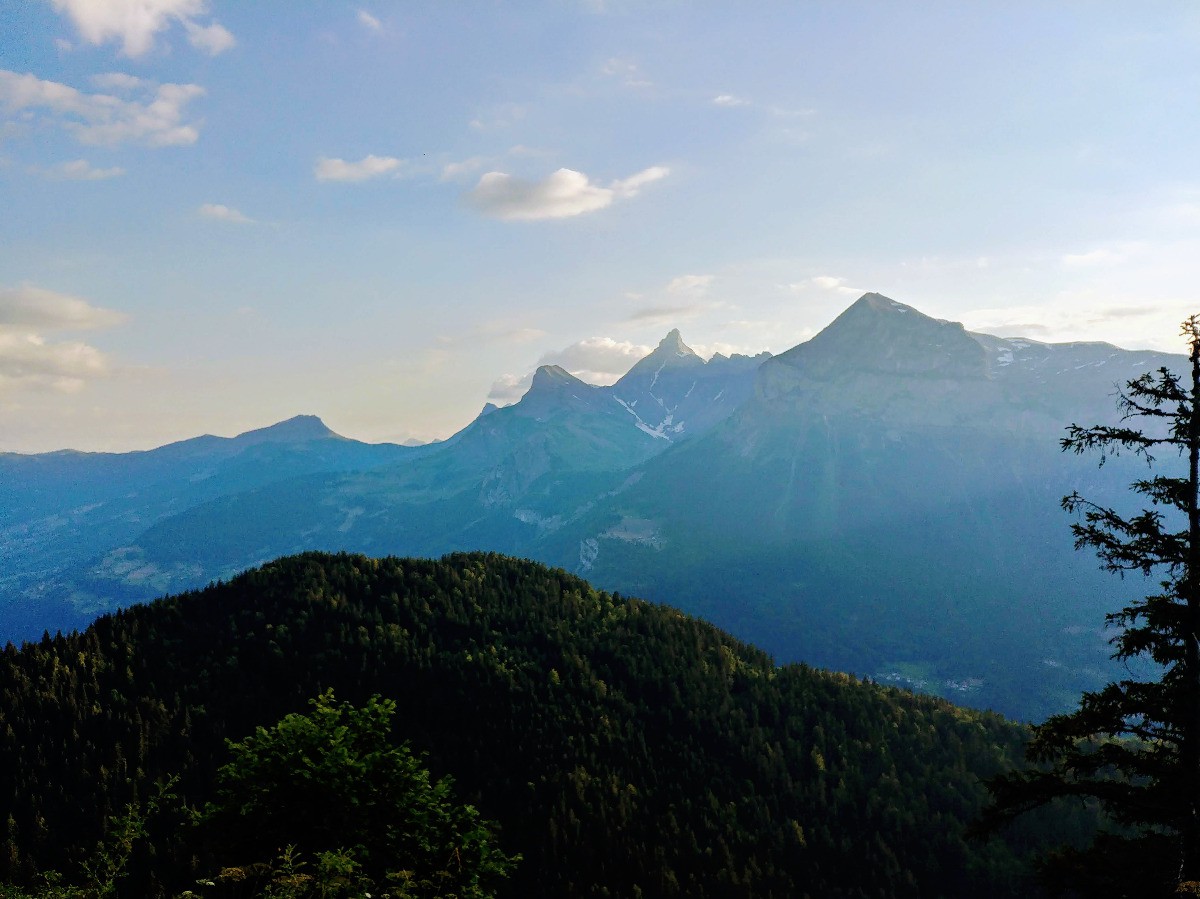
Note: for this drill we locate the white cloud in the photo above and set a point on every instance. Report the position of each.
(826, 283)
(28, 360)
(561, 194)
(118, 81)
(601, 357)
(666, 315)
(729, 100)
(626, 70)
(155, 120)
(690, 285)
(78, 170)
(509, 388)
(596, 360)
(453, 170)
(137, 23)
(522, 150)
(708, 350)
(29, 308)
(224, 213)
(1057, 322)
(333, 169)
(630, 186)
(502, 116)
(213, 39)
(369, 22)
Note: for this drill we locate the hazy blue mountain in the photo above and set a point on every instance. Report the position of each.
(887, 503)
(84, 532)
(882, 498)
(673, 394)
(60, 509)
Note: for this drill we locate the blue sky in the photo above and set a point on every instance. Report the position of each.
(216, 215)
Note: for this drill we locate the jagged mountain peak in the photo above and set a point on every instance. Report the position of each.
(671, 352)
(672, 346)
(673, 343)
(878, 334)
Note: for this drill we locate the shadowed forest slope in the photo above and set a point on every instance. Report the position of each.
(624, 748)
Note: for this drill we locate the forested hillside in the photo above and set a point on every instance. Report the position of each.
(625, 749)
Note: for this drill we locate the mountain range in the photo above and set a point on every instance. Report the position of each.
(881, 499)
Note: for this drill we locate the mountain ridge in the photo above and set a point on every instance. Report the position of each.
(863, 512)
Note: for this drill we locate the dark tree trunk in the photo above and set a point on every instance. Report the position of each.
(1190, 748)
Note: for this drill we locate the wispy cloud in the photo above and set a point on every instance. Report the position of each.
(1113, 254)
(119, 81)
(665, 315)
(502, 116)
(690, 285)
(561, 194)
(36, 308)
(333, 169)
(732, 101)
(510, 388)
(136, 24)
(154, 119)
(828, 283)
(213, 39)
(683, 297)
(223, 213)
(369, 22)
(626, 70)
(77, 170)
(597, 360)
(629, 187)
(1056, 323)
(454, 170)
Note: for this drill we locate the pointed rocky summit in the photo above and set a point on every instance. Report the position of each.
(671, 352)
(293, 430)
(877, 334)
(554, 379)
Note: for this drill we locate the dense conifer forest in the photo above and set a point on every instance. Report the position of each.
(623, 749)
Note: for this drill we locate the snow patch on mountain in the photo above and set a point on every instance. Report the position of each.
(589, 551)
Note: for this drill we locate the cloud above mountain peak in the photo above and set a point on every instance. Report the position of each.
(562, 194)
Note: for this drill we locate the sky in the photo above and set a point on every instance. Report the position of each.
(215, 215)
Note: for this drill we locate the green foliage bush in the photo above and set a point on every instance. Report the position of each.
(331, 787)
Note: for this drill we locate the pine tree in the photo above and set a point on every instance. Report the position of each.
(1133, 747)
